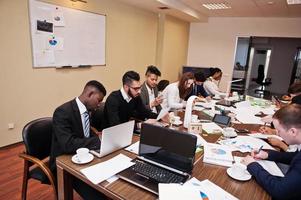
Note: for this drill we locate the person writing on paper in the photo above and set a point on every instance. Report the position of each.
(71, 131)
(211, 84)
(287, 122)
(175, 93)
(198, 88)
(149, 90)
(126, 103)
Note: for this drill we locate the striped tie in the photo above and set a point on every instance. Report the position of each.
(86, 124)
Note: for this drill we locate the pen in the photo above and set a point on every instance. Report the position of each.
(259, 149)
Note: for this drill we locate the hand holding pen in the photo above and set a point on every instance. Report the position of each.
(259, 154)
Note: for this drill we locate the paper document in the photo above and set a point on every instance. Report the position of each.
(265, 136)
(134, 148)
(178, 192)
(269, 166)
(217, 154)
(245, 144)
(163, 112)
(102, 171)
(211, 127)
(209, 190)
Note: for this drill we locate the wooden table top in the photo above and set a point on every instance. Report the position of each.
(216, 174)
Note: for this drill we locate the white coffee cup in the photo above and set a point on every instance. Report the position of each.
(82, 153)
(229, 132)
(239, 169)
(234, 94)
(177, 119)
(194, 118)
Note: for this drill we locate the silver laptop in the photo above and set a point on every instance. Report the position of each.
(115, 138)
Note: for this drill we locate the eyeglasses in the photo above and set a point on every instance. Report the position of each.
(135, 88)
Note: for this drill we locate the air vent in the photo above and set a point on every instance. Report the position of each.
(163, 8)
(216, 6)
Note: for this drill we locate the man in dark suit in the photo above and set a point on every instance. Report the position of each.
(71, 130)
(287, 122)
(126, 103)
(149, 90)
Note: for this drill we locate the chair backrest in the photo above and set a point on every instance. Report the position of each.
(37, 137)
(260, 75)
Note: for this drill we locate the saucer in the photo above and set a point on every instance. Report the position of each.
(177, 123)
(87, 159)
(244, 177)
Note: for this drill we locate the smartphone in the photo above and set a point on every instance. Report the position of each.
(242, 131)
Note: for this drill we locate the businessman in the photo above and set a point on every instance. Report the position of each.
(126, 103)
(287, 122)
(149, 90)
(71, 130)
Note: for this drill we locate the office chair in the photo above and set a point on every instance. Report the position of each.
(263, 82)
(37, 137)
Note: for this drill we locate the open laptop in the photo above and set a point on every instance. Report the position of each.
(165, 156)
(115, 138)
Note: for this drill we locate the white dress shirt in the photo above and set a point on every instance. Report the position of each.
(171, 97)
(82, 109)
(151, 97)
(125, 96)
(211, 87)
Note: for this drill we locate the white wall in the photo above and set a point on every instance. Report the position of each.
(213, 43)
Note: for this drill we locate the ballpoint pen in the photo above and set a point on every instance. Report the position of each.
(260, 148)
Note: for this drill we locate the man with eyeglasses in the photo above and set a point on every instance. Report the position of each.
(126, 103)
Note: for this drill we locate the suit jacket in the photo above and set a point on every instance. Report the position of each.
(68, 134)
(145, 97)
(287, 187)
(197, 90)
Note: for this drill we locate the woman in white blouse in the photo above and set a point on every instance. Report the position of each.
(175, 93)
(211, 84)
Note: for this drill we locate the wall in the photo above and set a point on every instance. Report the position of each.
(213, 43)
(28, 93)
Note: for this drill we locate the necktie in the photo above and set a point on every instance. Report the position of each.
(86, 124)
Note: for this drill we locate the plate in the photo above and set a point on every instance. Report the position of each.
(245, 177)
(177, 123)
(88, 159)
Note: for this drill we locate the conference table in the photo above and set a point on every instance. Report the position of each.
(120, 189)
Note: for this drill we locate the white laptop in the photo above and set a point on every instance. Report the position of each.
(115, 138)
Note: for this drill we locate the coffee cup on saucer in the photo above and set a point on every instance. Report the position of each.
(82, 153)
(194, 118)
(177, 119)
(238, 169)
(229, 132)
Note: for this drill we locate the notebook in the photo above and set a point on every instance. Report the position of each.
(165, 156)
(115, 138)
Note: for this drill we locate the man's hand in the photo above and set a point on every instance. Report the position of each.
(247, 160)
(261, 155)
(157, 101)
(267, 130)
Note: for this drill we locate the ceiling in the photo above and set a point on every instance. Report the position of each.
(193, 11)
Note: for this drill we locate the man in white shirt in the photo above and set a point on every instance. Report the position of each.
(149, 90)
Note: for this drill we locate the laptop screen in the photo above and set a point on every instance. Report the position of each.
(168, 147)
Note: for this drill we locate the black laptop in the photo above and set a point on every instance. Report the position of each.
(165, 156)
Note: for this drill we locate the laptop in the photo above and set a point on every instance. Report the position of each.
(165, 156)
(115, 138)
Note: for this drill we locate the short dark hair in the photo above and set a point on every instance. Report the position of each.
(129, 77)
(153, 70)
(295, 88)
(199, 76)
(214, 70)
(97, 85)
(162, 85)
(289, 116)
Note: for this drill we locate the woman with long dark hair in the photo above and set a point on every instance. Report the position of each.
(211, 84)
(175, 93)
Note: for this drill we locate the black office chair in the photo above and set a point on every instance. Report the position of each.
(37, 140)
(263, 82)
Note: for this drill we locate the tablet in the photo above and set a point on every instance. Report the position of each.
(223, 120)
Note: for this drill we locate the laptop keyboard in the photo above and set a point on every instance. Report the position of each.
(156, 173)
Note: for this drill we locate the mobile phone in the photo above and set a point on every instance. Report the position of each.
(242, 131)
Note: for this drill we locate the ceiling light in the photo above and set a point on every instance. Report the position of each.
(291, 2)
(216, 6)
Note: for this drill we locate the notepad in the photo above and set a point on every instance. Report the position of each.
(217, 154)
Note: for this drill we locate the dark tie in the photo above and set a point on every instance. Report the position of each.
(86, 124)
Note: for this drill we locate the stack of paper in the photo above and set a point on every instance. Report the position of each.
(178, 192)
(102, 171)
(265, 136)
(218, 154)
(134, 148)
(209, 190)
(211, 127)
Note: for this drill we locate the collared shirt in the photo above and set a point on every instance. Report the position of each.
(125, 96)
(82, 109)
(151, 97)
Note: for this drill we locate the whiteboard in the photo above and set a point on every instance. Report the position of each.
(64, 37)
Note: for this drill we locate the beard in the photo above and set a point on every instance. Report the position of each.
(130, 94)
